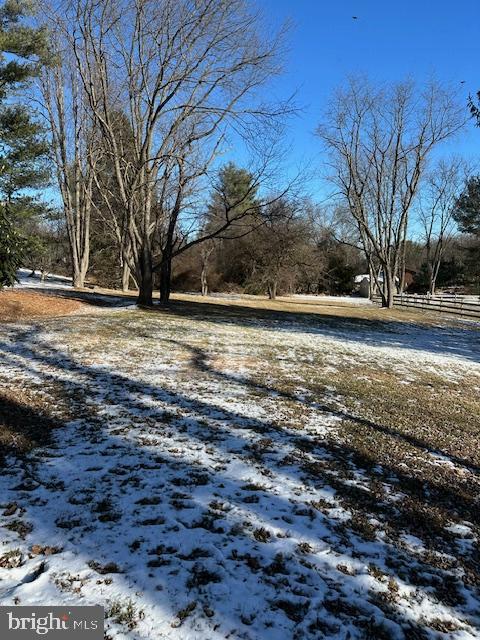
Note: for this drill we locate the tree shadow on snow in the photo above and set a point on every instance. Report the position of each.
(168, 517)
(449, 341)
(441, 340)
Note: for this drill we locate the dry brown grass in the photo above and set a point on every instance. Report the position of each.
(320, 306)
(324, 306)
(27, 418)
(420, 439)
(16, 306)
(288, 304)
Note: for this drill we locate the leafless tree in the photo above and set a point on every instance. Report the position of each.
(107, 200)
(440, 191)
(277, 248)
(234, 218)
(75, 152)
(184, 74)
(206, 250)
(379, 140)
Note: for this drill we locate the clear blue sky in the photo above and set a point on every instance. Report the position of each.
(390, 40)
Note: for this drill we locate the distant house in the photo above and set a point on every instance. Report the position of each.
(362, 282)
(362, 285)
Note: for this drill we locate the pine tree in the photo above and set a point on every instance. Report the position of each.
(22, 148)
(235, 198)
(474, 106)
(12, 250)
(467, 207)
(235, 193)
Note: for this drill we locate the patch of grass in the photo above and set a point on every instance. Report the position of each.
(70, 582)
(23, 306)
(278, 566)
(148, 522)
(195, 554)
(103, 569)
(10, 509)
(186, 611)
(124, 613)
(201, 576)
(333, 420)
(253, 486)
(20, 527)
(261, 534)
(27, 417)
(68, 523)
(294, 610)
(152, 500)
(12, 559)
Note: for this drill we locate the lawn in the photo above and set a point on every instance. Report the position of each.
(244, 469)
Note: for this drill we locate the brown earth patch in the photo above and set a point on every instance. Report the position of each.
(27, 419)
(16, 306)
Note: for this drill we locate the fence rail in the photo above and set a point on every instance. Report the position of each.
(461, 306)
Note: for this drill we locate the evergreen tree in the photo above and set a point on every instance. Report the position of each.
(234, 197)
(12, 249)
(467, 207)
(22, 149)
(235, 193)
(474, 106)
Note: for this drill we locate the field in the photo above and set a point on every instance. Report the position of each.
(243, 469)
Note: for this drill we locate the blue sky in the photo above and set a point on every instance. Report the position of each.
(389, 41)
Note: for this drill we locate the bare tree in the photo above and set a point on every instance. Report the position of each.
(277, 248)
(75, 153)
(379, 140)
(107, 200)
(184, 74)
(441, 189)
(235, 214)
(206, 250)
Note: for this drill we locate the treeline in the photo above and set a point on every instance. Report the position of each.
(126, 111)
(286, 247)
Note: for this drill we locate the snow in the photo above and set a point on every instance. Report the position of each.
(342, 299)
(32, 280)
(54, 284)
(176, 491)
(361, 277)
(365, 276)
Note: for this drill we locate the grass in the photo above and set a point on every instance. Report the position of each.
(28, 416)
(21, 306)
(319, 306)
(366, 404)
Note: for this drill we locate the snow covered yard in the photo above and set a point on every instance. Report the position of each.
(215, 473)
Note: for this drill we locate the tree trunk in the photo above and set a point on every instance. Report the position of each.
(125, 276)
(388, 291)
(371, 282)
(145, 279)
(165, 278)
(204, 280)
(431, 278)
(403, 261)
(272, 290)
(78, 278)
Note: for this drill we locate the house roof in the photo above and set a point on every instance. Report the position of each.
(365, 276)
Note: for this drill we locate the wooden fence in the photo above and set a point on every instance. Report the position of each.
(468, 307)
